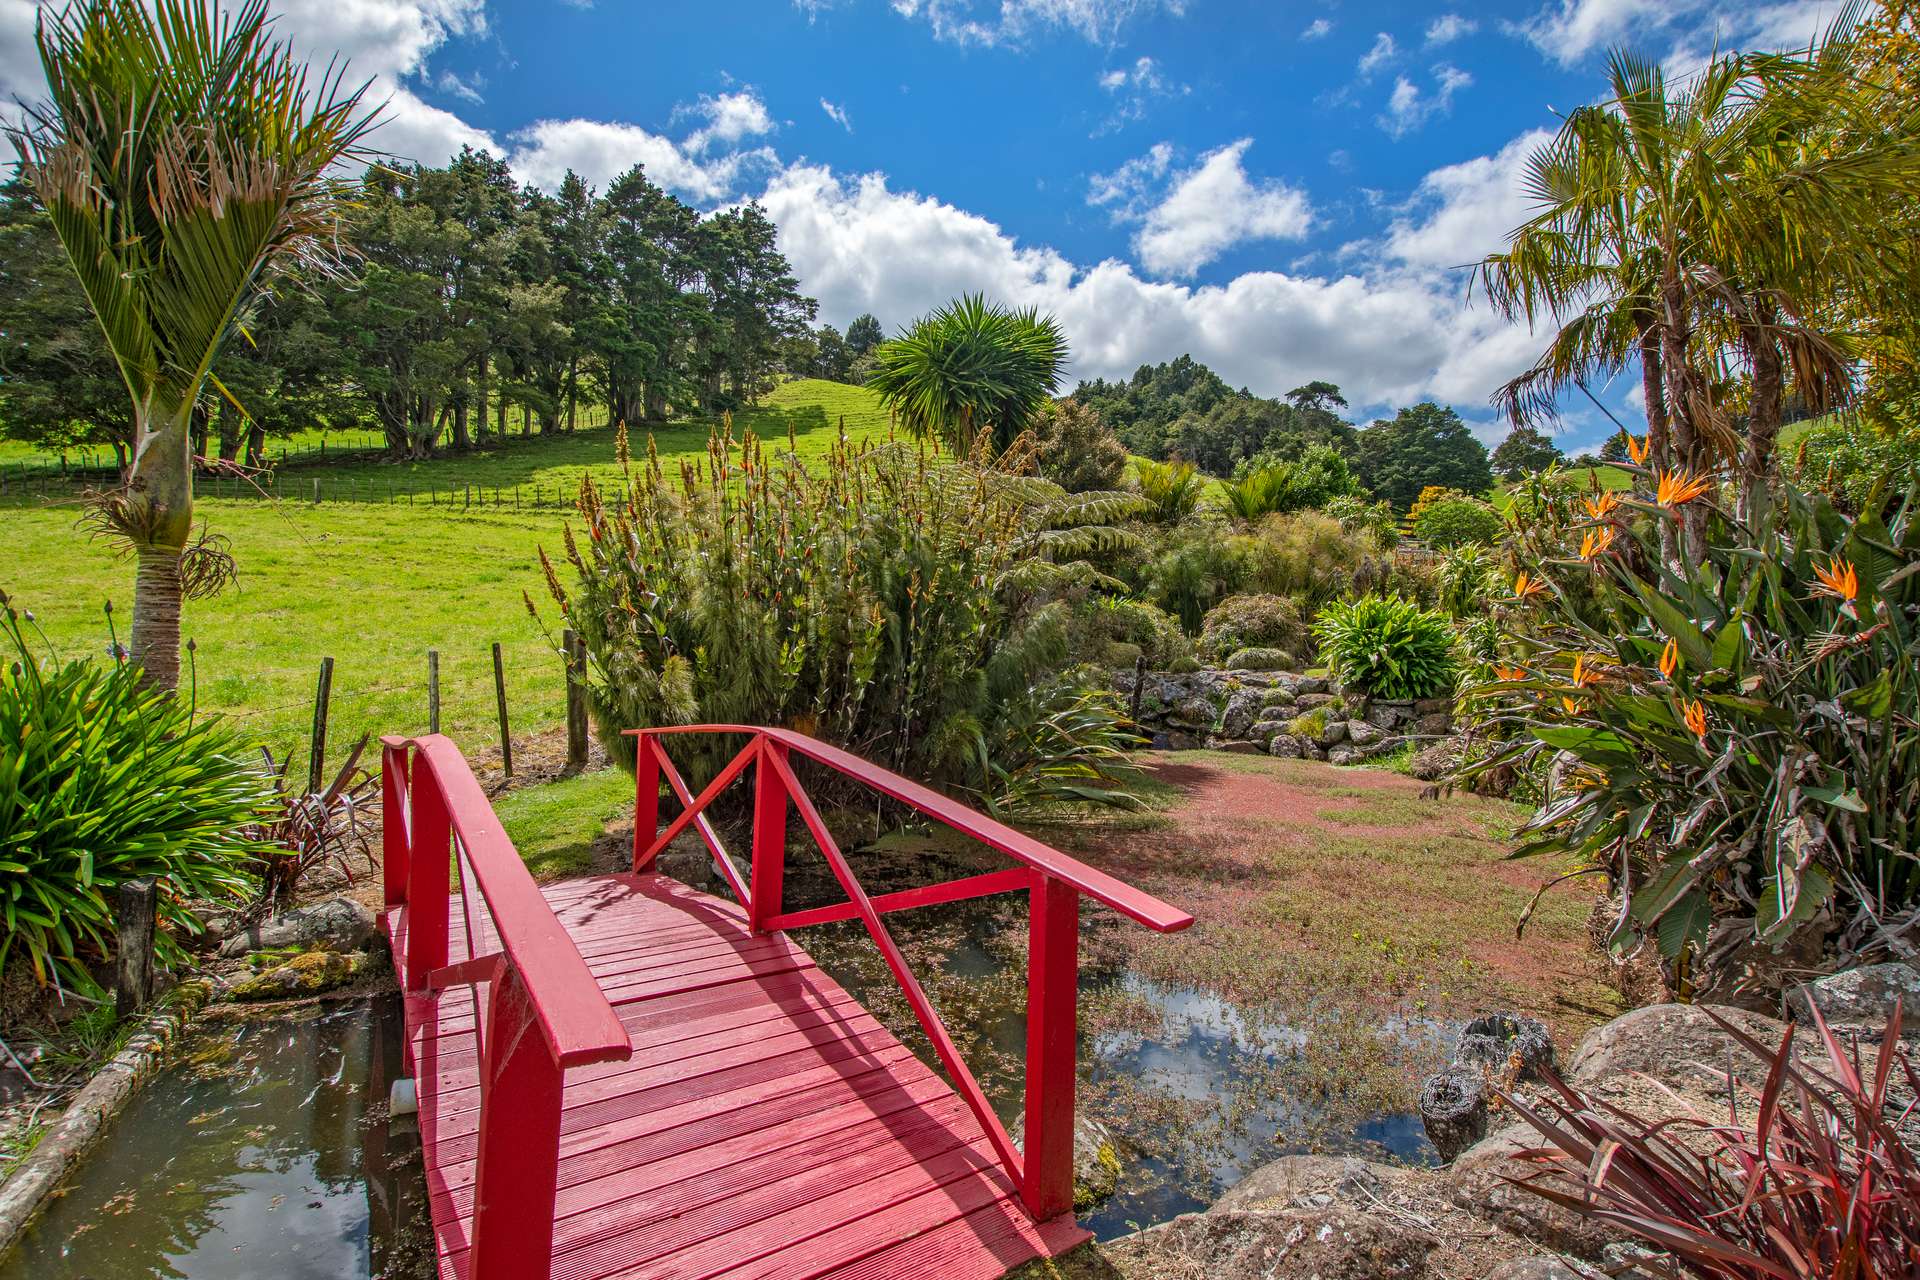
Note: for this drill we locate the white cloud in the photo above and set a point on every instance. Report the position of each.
(1462, 212)
(1013, 21)
(1408, 108)
(1567, 32)
(1449, 27)
(1316, 29)
(730, 117)
(838, 114)
(1126, 189)
(1389, 335)
(600, 151)
(1214, 206)
(1382, 52)
(1134, 89)
(465, 88)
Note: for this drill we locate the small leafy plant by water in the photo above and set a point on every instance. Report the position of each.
(104, 781)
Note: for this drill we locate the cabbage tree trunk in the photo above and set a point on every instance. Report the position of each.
(160, 520)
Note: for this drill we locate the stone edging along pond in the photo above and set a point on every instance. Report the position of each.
(94, 1108)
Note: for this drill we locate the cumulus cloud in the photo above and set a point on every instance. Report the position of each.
(465, 88)
(1570, 31)
(1134, 89)
(1202, 212)
(996, 22)
(1459, 213)
(838, 114)
(1408, 108)
(1382, 52)
(1389, 335)
(1316, 29)
(730, 117)
(600, 150)
(1449, 27)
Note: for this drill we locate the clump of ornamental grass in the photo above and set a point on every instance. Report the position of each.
(1822, 1183)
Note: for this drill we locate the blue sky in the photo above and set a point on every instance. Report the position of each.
(1285, 190)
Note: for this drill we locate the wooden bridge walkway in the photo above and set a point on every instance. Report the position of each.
(621, 1076)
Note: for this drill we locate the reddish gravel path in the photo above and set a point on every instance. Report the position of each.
(1319, 884)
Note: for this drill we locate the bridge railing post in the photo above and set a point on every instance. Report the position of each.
(1053, 989)
(646, 799)
(518, 1160)
(429, 878)
(769, 835)
(394, 820)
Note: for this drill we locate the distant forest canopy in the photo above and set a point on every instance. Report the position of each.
(475, 305)
(1182, 409)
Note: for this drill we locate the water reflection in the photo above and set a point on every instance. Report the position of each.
(257, 1152)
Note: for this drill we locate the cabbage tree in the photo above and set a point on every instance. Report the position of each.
(968, 367)
(183, 158)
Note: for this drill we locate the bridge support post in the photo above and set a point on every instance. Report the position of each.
(394, 852)
(519, 1147)
(430, 858)
(1053, 981)
(769, 836)
(646, 799)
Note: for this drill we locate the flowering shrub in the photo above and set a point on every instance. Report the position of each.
(1746, 726)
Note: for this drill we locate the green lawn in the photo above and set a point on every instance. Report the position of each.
(1611, 478)
(376, 585)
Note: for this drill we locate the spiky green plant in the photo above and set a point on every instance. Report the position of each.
(103, 781)
(181, 157)
(1171, 489)
(1746, 731)
(1388, 647)
(969, 367)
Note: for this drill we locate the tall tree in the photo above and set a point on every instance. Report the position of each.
(1525, 449)
(181, 156)
(864, 334)
(1421, 445)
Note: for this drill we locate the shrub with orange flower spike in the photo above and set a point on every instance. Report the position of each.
(1839, 580)
(1595, 543)
(1677, 488)
(1694, 712)
(1670, 659)
(1603, 506)
(1525, 587)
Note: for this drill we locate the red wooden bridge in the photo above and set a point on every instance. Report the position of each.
(620, 1076)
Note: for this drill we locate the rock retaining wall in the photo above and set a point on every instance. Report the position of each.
(1279, 713)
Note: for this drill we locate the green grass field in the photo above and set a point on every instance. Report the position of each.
(376, 585)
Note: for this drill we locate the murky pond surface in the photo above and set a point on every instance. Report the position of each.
(262, 1150)
(1196, 1091)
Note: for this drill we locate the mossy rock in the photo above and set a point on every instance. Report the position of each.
(1183, 666)
(306, 974)
(1259, 660)
(1122, 655)
(1279, 696)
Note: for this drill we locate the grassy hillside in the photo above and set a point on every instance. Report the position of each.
(1611, 478)
(375, 585)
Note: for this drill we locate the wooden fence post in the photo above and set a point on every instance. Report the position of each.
(317, 744)
(133, 982)
(500, 700)
(433, 691)
(576, 700)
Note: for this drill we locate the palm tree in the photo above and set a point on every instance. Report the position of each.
(1706, 231)
(970, 366)
(182, 160)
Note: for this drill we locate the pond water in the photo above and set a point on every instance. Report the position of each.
(261, 1151)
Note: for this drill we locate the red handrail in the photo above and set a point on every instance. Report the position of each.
(1043, 1170)
(536, 982)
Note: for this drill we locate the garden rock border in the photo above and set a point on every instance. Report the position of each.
(88, 1115)
(1278, 713)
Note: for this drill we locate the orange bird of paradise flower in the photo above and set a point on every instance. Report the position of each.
(1510, 673)
(1694, 712)
(1526, 586)
(1677, 488)
(1596, 542)
(1838, 580)
(1637, 450)
(1603, 506)
(1670, 659)
(1583, 675)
